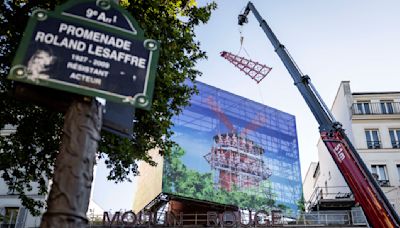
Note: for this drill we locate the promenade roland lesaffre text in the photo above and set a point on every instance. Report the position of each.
(105, 50)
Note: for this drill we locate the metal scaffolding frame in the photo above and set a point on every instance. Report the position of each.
(237, 161)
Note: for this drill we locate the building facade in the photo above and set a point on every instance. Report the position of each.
(14, 214)
(372, 122)
(231, 151)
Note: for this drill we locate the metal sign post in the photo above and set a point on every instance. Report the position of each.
(92, 48)
(69, 196)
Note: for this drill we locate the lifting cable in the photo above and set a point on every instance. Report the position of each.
(255, 70)
(241, 43)
(244, 49)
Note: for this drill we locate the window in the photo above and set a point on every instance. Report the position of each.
(357, 216)
(8, 217)
(379, 171)
(387, 107)
(398, 170)
(363, 107)
(395, 137)
(372, 137)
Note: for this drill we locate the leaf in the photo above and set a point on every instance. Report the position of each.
(29, 153)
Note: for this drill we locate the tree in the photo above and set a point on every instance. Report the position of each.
(301, 204)
(179, 179)
(269, 195)
(28, 155)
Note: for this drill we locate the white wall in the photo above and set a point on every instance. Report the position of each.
(309, 181)
(10, 200)
(355, 126)
(330, 175)
(341, 108)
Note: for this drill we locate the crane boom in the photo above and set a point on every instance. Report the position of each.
(367, 192)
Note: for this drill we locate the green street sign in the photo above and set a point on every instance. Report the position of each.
(88, 47)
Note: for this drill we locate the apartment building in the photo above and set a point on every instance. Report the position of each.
(14, 215)
(372, 122)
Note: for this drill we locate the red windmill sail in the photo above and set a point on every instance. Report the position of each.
(255, 70)
(235, 159)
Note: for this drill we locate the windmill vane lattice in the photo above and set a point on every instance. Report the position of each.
(255, 70)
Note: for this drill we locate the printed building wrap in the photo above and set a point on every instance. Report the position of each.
(233, 151)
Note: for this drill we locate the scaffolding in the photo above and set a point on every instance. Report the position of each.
(237, 161)
(243, 144)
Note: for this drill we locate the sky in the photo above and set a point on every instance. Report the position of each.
(331, 41)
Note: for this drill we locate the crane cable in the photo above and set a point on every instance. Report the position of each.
(244, 49)
(241, 43)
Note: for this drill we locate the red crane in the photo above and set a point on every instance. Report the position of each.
(368, 194)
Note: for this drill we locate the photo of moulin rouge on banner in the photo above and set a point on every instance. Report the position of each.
(242, 155)
(77, 53)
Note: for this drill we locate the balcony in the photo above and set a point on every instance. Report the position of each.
(384, 183)
(395, 144)
(374, 144)
(376, 108)
(330, 198)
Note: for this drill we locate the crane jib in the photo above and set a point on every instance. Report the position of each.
(364, 190)
(378, 210)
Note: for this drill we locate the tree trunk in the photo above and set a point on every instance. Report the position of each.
(73, 175)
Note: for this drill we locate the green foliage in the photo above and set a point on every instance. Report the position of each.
(180, 180)
(301, 204)
(28, 155)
